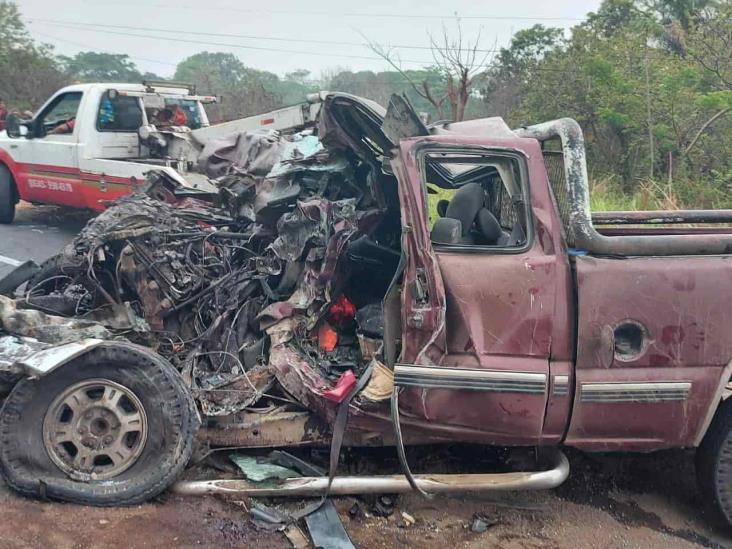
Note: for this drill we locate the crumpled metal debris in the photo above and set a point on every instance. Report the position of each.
(230, 287)
(14, 349)
(381, 384)
(47, 328)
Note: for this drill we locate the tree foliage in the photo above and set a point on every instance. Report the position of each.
(650, 82)
(28, 71)
(242, 90)
(91, 66)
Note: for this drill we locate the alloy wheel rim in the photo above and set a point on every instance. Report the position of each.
(95, 429)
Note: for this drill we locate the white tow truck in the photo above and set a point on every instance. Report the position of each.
(90, 144)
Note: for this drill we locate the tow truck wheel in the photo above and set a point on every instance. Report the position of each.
(714, 462)
(115, 426)
(7, 196)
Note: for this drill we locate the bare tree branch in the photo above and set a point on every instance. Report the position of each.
(457, 62)
(704, 127)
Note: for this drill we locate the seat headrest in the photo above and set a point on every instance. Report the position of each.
(465, 204)
(490, 229)
(447, 231)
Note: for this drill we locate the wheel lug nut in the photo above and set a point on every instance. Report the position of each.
(82, 430)
(88, 415)
(108, 440)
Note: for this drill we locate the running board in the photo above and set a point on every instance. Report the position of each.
(387, 484)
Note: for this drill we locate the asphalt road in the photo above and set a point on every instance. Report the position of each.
(37, 233)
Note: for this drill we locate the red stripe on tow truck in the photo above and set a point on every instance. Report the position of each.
(266, 121)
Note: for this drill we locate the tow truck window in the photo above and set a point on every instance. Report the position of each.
(60, 111)
(476, 200)
(190, 108)
(119, 114)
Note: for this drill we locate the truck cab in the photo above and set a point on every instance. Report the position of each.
(534, 322)
(83, 149)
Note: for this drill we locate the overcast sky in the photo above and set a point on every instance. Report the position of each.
(282, 35)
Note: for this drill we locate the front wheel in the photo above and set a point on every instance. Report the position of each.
(7, 196)
(714, 462)
(115, 426)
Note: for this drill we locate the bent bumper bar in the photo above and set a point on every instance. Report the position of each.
(387, 484)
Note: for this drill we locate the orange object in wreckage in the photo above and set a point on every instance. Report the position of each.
(327, 337)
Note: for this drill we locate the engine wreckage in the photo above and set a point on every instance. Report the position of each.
(268, 297)
(286, 266)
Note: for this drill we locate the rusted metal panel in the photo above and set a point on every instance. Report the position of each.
(649, 321)
(625, 230)
(267, 430)
(662, 216)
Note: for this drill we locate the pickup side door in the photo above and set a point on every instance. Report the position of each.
(485, 326)
(47, 163)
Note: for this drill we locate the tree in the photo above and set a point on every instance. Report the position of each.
(90, 66)
(709, 42)
(243, 91)
(29, 71)
(457, 60)
(683, 12)
(649, 81)
(513, 66)
(211, 69)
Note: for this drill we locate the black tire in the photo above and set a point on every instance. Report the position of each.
(52, 267)
(8, 196)
(172, 423)
(714, 463)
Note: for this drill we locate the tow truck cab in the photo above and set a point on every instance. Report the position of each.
(100, 155)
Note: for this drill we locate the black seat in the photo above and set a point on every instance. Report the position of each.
(465, 205)
(477, 225)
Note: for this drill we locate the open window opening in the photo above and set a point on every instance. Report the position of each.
(476, 199)
(59, 117)
(119, 113)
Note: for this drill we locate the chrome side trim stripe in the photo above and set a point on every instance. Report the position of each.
(560, 386)
(656, 391)
(470, 379)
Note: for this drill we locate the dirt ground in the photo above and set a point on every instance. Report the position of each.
(609, 501)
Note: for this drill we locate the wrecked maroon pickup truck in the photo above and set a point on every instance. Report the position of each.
(366, 280)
